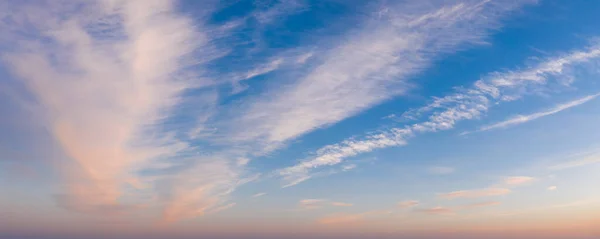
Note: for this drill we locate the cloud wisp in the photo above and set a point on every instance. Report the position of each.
(518, 180)
(454, 210)
(488, 192)
(365, 70)
(521, 119)
(446, 112)
(587, 159)
(408, 204)
(258, 195)
(320, 203)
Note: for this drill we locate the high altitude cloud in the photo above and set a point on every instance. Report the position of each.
(586, 159)
(259, 195)
(488, 192)
(520, 119)
(456, 209)
(108, 75)
(319, 203)
(104, 79)
(370, 66)
(311, 203)
(408, 204)
(518, 180)
(446, 112)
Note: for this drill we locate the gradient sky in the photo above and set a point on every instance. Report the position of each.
(242, 119)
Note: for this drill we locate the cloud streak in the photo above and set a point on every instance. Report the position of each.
(488, 192)
(446, 112)
(408, 204)
(366, 70)
(521, 119)
(588, 159)
(518, 180)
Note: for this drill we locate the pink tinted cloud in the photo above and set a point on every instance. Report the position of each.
(488, 192)
(518, 180)
(407, 204)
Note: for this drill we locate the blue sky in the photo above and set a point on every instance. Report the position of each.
(299, 117)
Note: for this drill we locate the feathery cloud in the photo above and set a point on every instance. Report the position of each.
(520, 119)
(104, 79)
(456, 209)
(518, 180)
(366, 70)
(259, 195)
(488, 192)
(311, 203)
(221, 208)
(552, 188)
(465, 104)
(408, 204)
(348, 167)
(592, 158)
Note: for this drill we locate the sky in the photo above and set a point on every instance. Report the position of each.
(326, 119)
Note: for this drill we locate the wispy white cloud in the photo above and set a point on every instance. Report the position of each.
(109, 78)
(200, 188)
(488, 192)
(105, 77)
(552, 188)
(221, 208)
(365, 70)
(259, 195)
(456, 209)
(311, 203)
(518, 180)
(271, 13)
(408, 204)
(258, 71)
(465, 104)
(348, 167)
(587, 159)
(520, 119)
